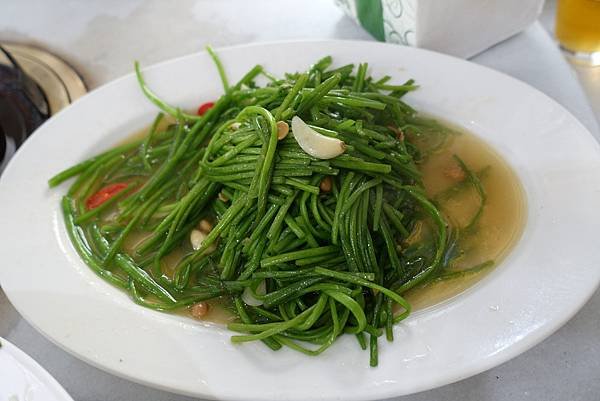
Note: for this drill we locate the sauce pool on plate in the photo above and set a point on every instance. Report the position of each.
(501, 221)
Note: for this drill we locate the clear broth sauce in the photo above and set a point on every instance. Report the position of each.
(500, 224)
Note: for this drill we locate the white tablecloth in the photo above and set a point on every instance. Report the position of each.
(102, 38)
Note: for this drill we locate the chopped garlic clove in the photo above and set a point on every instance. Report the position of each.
(315, 144)
(196, 239)
(249, 298)
(223, 198)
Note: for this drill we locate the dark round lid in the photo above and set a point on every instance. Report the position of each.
(34, 84)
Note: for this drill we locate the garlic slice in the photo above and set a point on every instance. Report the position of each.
(249, 298)
(315, 144)
(196, 239)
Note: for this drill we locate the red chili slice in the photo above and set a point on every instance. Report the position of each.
(204, 107)
(104, 194)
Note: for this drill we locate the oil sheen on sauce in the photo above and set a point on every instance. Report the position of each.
(500, 224)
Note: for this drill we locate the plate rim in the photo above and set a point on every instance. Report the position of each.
(34, 368)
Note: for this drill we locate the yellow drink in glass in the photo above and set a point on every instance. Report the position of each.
(578, 28)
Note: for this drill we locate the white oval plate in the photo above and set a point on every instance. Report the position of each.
(23, 379)
(547, 277)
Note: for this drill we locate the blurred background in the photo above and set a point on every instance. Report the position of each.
(93, 42)
(589, 75)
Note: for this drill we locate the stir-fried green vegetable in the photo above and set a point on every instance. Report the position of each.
(306, 248)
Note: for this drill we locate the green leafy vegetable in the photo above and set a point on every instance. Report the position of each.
(326, 236)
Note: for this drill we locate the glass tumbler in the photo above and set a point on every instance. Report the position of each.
(578, 29)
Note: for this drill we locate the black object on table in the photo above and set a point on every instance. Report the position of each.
(23, 107)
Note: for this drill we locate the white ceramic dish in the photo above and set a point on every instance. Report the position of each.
(23, 379)
(548, 276)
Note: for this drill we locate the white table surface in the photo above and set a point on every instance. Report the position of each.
(101, 38)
